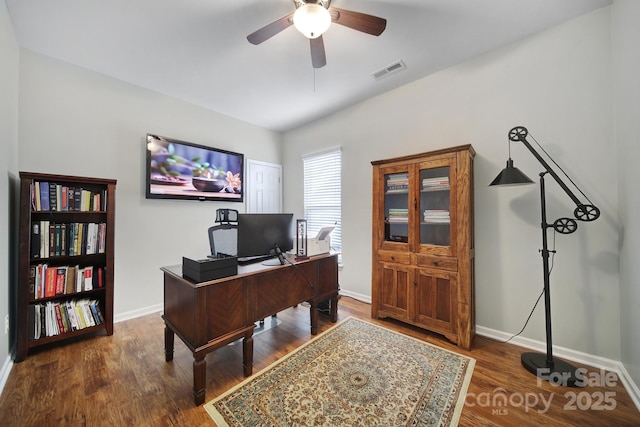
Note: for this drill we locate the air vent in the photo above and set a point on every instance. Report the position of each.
(389, 69)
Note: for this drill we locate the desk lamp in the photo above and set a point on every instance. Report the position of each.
(546, 366)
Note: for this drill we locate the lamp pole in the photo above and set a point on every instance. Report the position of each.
(545, 266)
(546, 366)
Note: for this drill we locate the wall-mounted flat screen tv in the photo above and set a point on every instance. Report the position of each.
(183, 170)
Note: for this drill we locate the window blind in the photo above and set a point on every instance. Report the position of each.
(323, 194)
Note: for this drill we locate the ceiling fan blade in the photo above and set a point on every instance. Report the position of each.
(270, 30)
(358, 21)
(318, 57)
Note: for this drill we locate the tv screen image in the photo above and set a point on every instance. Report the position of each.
(183, 170)
(260, 233)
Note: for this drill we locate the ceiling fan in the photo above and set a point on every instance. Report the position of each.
(312, 18)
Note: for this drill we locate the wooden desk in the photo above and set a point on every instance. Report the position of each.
(210, 315)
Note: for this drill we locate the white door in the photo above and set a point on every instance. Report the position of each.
(264, 187)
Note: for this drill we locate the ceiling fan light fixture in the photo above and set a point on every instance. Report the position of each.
(312, 20)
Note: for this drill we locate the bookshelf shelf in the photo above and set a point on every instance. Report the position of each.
(64, 336)
(65, 260)
(423, 249)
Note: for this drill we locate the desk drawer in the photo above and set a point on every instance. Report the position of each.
(441, 262)
(397, 257)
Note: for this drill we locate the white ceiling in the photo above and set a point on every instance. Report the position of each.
(197, 51)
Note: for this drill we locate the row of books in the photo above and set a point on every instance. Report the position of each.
(50, 239)
(51, 196)
(55, 318)
(436, 184)
(48, 281)
(398, 216)
(398, 183)
(437, 216)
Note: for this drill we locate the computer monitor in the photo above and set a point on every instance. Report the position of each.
(261, 235)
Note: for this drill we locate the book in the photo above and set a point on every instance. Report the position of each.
(82, 239)
(35, 321)
(52, 240)
(57, 234)
(44, 195)
(76, 239)
(88, 279)
(61, 278)
(63, 239)
(90, 320)
(66, 319)
(32, 282)
(64, 198)
(71, 313)
(51, 324)
(85, 200)
(53, 196)
(81, 316)
(71, 198)
(90, 239)
(77, 198)
(100, 275)
(79, 279)
(70, 283)
(40, 280)
(36, 204)
(95, 311)
(32, 321)
(44, 239)
(35, 239)
(39, 319)
(102, 237)
(50, 282)
(56, 310)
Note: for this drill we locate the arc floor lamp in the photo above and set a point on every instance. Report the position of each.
(546, 366)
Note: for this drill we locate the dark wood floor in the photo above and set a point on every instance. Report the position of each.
(123, 380)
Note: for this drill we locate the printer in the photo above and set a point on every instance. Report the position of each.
(321, 244)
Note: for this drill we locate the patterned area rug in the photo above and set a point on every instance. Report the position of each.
(354, 374)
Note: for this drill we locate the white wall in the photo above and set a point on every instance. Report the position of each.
(77, 122)
(8, 170)
(626, 39)
(558, 85)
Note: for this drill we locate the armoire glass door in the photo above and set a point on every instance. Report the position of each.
(435, 206)
(396, 207)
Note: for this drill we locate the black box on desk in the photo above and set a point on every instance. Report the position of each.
(202, 270)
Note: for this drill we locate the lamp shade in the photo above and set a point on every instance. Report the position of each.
(511, 175)
(312, 20)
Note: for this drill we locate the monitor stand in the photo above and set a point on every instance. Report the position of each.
(279, 257)
(272, 262)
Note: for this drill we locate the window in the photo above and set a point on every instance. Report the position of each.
(322, 194)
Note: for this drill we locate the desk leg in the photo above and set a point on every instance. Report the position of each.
(314, 316)
(247, 353)
(334, 308)
(199, 379)
(168, 344)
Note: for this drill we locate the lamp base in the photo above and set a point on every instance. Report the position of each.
(557, 372)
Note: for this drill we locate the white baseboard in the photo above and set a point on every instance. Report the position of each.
(354, 295)
(632, 387)
(572, 355)
(5, 371)
(137, 313)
